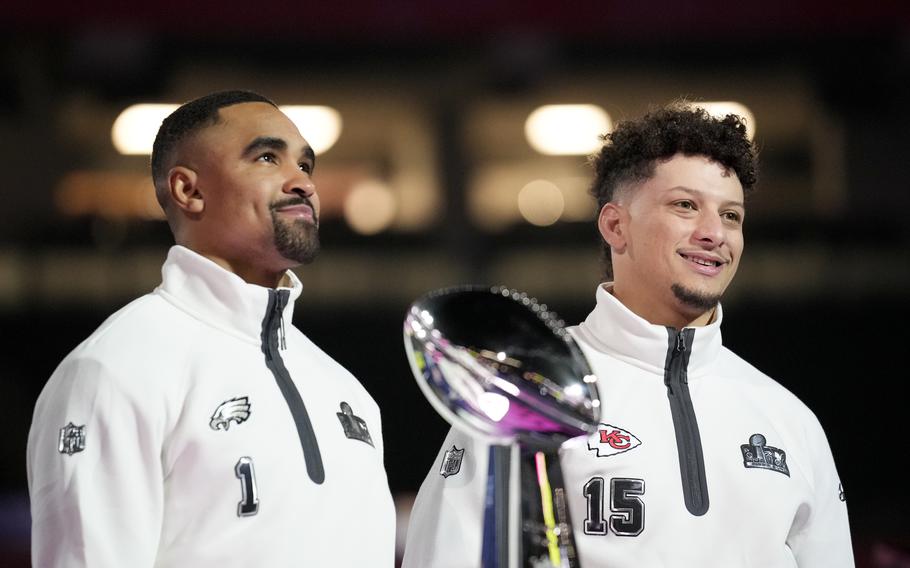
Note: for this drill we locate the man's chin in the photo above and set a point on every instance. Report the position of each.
(697, 300)
(301, 252)
(301, 257)
(298, 242)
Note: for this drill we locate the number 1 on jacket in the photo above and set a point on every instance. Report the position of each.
(249, 504)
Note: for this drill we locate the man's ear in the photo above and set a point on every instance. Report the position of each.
(184, 192)
(612, 225)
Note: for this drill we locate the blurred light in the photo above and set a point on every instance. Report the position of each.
(506, 386)
(494, 405)
(541, 203)
(720, 109)
(320, 125)
(574, 391)
(109, 195)
(567, 129)
(580, 206)
(370, 207)
(134, 130)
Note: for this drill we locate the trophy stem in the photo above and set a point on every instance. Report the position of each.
(546, 533)
(496, 542)
(546, 503)
(542, 536)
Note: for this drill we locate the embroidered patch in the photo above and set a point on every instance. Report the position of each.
(451, 462)
(235, 410)
(759, 455)
(354, 427)
(72, 439)
(611, 440)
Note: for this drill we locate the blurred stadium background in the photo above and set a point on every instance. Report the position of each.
(434, 178)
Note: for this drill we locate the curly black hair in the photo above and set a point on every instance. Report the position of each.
(185, 121)
(632, 151)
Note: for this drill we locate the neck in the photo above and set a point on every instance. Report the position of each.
(249, 272)
(268, 271)
(704, 319)
(252, 274)
(657, 313)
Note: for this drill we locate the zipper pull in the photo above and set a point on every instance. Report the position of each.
(680, 342)
(282, 344)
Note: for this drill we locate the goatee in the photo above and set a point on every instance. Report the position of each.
(297, 240)
(698, 300)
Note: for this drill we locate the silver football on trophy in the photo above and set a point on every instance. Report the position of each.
(495, 361)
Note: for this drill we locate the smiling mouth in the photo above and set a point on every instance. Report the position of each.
(703, 261)
(301, 208)
(294, 202)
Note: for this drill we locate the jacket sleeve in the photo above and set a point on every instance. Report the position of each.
(446, 524)
(821, 537)
(100, 503)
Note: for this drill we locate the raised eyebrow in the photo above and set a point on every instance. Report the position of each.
(265, 143)
(310, 155)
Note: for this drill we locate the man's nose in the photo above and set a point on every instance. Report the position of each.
(710, 229)
(300, 183)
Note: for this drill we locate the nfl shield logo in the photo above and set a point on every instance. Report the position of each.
(451, 462)
(72, 439)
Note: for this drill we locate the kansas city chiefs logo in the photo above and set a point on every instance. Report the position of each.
(611, 440)
(236, 410)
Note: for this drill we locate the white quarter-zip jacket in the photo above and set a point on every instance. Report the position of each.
(700, 460)
(198, 427)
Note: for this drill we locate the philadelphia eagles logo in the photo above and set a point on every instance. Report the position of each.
(236, 409)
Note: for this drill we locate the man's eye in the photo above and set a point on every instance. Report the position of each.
(305, 167)
(685, 204)
(267, 157)
(733, 216)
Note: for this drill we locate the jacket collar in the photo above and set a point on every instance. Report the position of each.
(216, 296)
(613, 329)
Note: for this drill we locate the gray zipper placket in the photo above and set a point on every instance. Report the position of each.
(272, 337)
(688, 440)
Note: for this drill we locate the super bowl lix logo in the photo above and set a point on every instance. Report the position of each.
(757, 454)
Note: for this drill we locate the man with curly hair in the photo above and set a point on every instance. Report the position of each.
(700, 459)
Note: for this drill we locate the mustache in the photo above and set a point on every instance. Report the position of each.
(291, 202)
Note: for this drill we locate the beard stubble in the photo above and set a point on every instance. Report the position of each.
(297, 240)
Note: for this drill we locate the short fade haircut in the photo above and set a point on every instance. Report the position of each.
(184, 122)
(632, 151)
